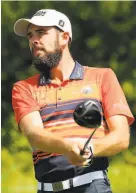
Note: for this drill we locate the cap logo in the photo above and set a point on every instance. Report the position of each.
(61, 23)
(40, 13)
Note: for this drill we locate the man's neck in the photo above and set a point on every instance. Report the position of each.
(64, 69)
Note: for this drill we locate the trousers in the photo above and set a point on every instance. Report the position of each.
(96, 186)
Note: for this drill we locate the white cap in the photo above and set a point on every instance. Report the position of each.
(44, 17)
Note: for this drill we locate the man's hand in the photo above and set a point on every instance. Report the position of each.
(74, 156)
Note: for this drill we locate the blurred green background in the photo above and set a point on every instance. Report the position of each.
(104, 35)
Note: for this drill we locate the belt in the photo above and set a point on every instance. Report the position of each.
(73, 182)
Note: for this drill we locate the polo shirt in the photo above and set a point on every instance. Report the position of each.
(56, 104)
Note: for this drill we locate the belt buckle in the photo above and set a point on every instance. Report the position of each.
(57, 186)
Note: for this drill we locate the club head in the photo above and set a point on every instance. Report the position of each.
(88, 114)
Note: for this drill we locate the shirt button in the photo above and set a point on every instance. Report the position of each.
(60, 88)
(59, 98)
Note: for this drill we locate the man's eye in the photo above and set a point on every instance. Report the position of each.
(29, 36)
(41, 32)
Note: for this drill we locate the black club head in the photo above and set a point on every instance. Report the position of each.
(88, 114)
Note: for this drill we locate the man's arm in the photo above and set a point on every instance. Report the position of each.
(32, 127)
(117, 139)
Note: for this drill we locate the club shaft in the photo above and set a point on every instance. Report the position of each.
(87, 142)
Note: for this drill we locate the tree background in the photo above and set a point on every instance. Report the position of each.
(104, 35)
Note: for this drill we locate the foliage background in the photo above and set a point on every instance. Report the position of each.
(104, 35)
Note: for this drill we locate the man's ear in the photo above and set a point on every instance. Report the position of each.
(65, 38)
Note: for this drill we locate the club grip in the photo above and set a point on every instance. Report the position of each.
(82, 152)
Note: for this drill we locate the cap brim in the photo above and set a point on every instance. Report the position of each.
(21, 25)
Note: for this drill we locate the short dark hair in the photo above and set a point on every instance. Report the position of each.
(60, 30)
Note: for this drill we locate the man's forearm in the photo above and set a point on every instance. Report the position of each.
(48, 142)
(110, 144)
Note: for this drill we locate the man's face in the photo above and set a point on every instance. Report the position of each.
(45, 47)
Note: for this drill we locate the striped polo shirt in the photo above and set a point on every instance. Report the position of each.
(56, 104)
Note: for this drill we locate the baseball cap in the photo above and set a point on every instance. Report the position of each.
(44, 17)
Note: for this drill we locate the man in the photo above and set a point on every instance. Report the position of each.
(44, 106)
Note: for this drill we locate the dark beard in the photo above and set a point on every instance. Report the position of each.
(46, 63)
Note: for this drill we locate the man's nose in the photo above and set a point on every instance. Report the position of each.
(34, 40)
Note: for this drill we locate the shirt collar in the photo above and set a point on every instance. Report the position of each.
(77, 74)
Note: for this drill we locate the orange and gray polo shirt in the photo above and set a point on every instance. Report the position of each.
(56, 104)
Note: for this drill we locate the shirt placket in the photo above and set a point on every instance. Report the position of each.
(59, 95)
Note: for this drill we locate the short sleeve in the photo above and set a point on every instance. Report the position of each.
(22, 101)
(113, 98)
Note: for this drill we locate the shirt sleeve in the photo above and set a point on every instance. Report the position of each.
(22, 101)
(113, 98)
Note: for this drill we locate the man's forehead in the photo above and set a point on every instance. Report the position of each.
(35, 27)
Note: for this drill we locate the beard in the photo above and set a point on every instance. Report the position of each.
(46, 63)
(51, 59)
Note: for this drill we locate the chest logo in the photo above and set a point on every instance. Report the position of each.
(87, 90)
